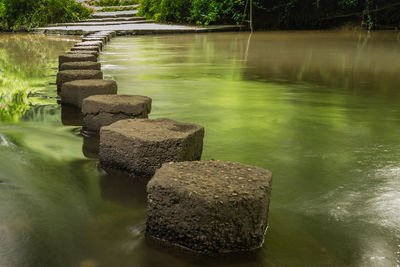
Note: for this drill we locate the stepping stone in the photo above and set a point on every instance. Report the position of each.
(141, 146)
(73, 75)
(103, 110)
(98, 38)
(75, 91)
(75, 58)
(91, 43)
(86, 48)
(89, 52)
(210, 206)
(83, 65)
(107, 37)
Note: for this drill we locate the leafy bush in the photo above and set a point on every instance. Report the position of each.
(25, 14)
(202, 12)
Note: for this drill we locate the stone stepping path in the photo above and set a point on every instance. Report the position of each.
(207, 207)
(115, 14)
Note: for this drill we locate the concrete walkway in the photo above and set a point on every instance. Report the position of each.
(125, 23)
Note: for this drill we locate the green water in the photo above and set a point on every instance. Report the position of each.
(319, 109)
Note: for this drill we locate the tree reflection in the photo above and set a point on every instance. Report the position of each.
(27, 62)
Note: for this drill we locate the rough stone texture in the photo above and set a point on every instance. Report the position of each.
(75, 58)
(86, 48)
(87, 52)
(141, 146)
(102, 39)
(73, 75)
(91, 43)
(209, 207)
(75, 91)
(108, 37)
(103, 110)
(83, 65)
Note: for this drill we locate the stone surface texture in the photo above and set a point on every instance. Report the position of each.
(141, 146)
(87, 52)
(90, 43)
(73, 75)
(86, 48)
(210, 206)
(75, 58)
(76, 91)
(103, 110)
(83, 65)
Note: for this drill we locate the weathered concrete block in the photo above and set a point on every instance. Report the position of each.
(87, 52)
(102, 39)
(83, 65)
(91, 48)
(73, 75)
(92, 43)
(141, 146)
(103, 110)
(210, 206)
(95, 35)
(75, 58)
(75, 91)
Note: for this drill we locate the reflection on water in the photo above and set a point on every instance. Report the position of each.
(319, 109)
(27, 63)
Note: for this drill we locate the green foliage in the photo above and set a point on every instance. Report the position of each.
(202, 12)
(18, 15)
(317, 14)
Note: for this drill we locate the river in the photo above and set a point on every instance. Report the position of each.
(319, 109)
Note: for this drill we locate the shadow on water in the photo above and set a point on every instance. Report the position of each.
(90, 146)
(71, 116)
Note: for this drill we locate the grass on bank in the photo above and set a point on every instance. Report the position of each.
(23, 15)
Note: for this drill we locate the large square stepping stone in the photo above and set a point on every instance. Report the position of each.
(103, 110)
(86, 52)
(84, 65)
(74, 75)
(209, 207)
(75, 58)
(75, 92)
(141, 146)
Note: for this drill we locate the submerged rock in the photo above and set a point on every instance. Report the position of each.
(103, 110)
(209, 207)
(83, 65)
(74, 75)
(75, 91)
(141, 146)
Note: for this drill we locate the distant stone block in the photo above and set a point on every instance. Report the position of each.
(73, 75)
(83, 65)
(96, 35)
(103, 110)
(91, 43)
(91, 48)
(102, 39)
(76, 58)
(75, 91)
(209, 207)
(86, 52)
(140, 146)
